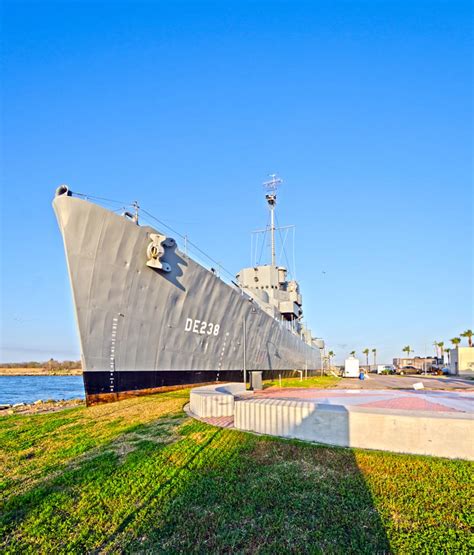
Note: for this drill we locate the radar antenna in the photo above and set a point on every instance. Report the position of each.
(271, 187)
(136, 208)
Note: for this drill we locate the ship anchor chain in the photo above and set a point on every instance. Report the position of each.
(156, 251)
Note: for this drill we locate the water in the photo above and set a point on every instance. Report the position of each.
(28, 389)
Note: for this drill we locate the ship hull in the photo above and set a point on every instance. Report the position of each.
(142, 330)
(137, 382)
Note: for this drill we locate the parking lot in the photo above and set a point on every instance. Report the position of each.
(374, 381)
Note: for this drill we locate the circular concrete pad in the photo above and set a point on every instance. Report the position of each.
(424, 422)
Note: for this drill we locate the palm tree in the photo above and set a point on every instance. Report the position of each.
(374, 351)
(441, 348)
(330, 355)
(435, 343)
(447, 355)
(455, 341)
(353, 353)
(468, 334)
(366, 353)
(408, 350)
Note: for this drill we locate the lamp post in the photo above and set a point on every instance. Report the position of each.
(244, 325)
(245, 352)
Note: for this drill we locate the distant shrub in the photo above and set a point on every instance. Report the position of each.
(51, 364)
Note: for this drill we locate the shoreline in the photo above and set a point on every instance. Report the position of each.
(39, 406)
(40, 372)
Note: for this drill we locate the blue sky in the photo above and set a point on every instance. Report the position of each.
(364, 109)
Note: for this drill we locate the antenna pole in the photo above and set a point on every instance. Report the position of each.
(135, 215)
(271, 196)
(272, 220)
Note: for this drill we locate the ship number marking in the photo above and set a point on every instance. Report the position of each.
(202, 327)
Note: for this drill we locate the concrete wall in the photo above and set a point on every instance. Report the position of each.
(461, 361)
(424, 433)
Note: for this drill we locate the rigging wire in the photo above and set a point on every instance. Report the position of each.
(124, 205)
(281, 239)
(185, 238)
(283, 243)
(86, 196)
(294, 257)
(188, 242)
(263, 241)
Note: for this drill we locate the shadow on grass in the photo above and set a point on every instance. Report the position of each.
(181, 485)
(84, 500)
(269, 496)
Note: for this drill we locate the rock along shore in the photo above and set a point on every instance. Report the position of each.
(39, 406)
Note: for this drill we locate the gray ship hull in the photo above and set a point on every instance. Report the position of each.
(141, 329)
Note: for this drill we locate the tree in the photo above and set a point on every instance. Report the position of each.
(366, 353)
(435, 343)
(330, 355)
(353, 353)
(441, 348)
(374, 352)
(408, 350)
(455, 341)
(468, 334)
(447, 355)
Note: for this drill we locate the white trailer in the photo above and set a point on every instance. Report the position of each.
(351, 368)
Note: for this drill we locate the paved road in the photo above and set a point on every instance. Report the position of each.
(375, 381)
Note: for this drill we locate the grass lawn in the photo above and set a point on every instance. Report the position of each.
(316, 381)
(141, 476)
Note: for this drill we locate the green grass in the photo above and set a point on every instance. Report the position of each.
(316, 381)
(141, 476)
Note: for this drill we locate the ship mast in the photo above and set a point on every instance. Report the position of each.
(271, 187)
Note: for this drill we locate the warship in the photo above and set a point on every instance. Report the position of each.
(152, 318)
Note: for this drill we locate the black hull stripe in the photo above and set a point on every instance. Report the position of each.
(96, 383)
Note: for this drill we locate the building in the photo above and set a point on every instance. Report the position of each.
(461, 362)
(421, 363)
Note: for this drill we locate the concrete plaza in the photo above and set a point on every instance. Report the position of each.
(438, 421)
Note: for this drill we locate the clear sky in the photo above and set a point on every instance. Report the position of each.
(363, 108)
